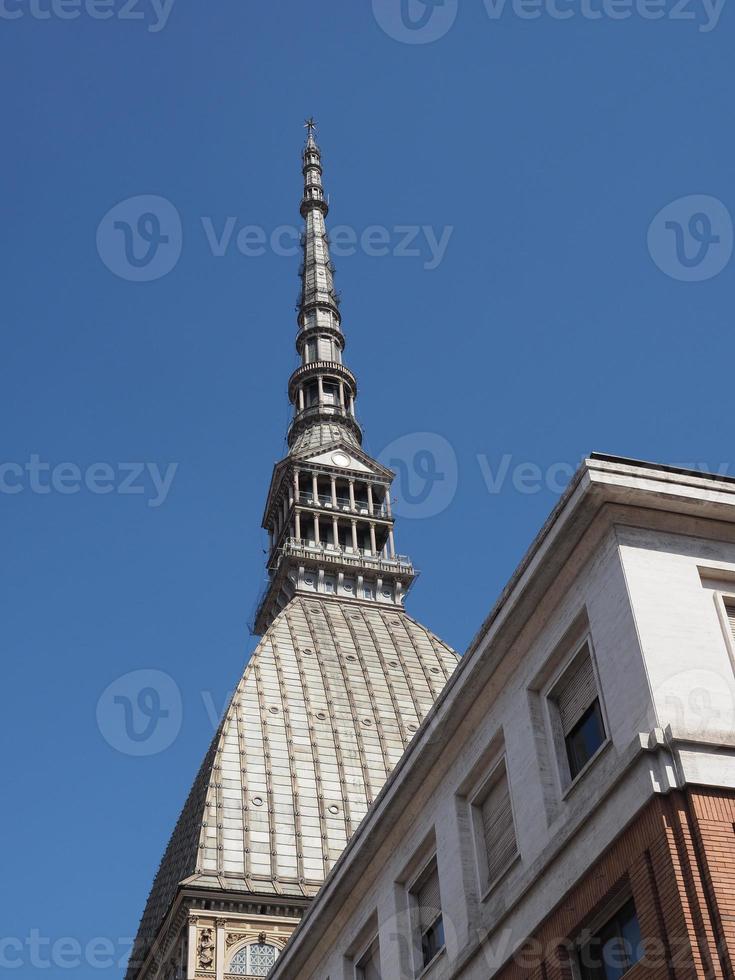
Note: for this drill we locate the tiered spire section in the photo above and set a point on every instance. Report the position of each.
(328, 512)
(322, 390)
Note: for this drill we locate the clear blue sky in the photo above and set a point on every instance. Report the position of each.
(547, 329)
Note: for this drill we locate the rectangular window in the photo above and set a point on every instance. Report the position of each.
(730, 610)
(580, 713)
(431, 925)
(325, 349)
(331, 394)
(496, 822)
(368, 966)
(614, 948)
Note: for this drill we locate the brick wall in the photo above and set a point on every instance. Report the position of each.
(677, 860)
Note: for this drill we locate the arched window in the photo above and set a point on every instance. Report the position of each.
(254, 960)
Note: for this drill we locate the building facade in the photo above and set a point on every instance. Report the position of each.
(567, 810)
(336, 689)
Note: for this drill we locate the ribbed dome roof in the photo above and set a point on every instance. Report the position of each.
(322, 435)
(324, 710)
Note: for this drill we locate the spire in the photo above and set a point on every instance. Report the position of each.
(322, 390)
(328, 513)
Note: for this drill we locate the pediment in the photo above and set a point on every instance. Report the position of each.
(345, 457)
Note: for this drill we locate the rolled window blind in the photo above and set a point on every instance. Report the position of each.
(577, 692)
(730, 609)
(428, 900)
(497, 824)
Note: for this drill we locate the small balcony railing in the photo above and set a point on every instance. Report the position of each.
(343, 504)
(299, 547)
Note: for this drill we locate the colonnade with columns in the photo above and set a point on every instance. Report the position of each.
(325, 392)
(334, 511)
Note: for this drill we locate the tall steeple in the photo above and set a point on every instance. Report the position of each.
(330, 698)
(322, 389)
(328, 511)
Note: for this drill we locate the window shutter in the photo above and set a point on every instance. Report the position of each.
(730, 610)
(577, 693)
(429, 900)
(497, 825)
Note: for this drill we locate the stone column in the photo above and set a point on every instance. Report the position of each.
(296, 485)
(333, 483)
(320, 382)
(301, 398)
(352, 495)
(220, 951)
(335, 532)
(342, 395)
(191, 963)
(370, 498)
(314, 488)
(354, 534)
(373, 543)
(387, 503)
(297, 523)
(316, 529)
(392, 544)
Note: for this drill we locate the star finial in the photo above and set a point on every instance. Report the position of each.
(310, 125)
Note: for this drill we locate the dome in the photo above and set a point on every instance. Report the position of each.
(327, 703)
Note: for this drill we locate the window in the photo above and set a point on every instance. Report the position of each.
(427, 898)
(730, 612)
(580, 712)
(613, 949)
(254, 960)
(330, 392)
(368, 966)
(496, 825)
